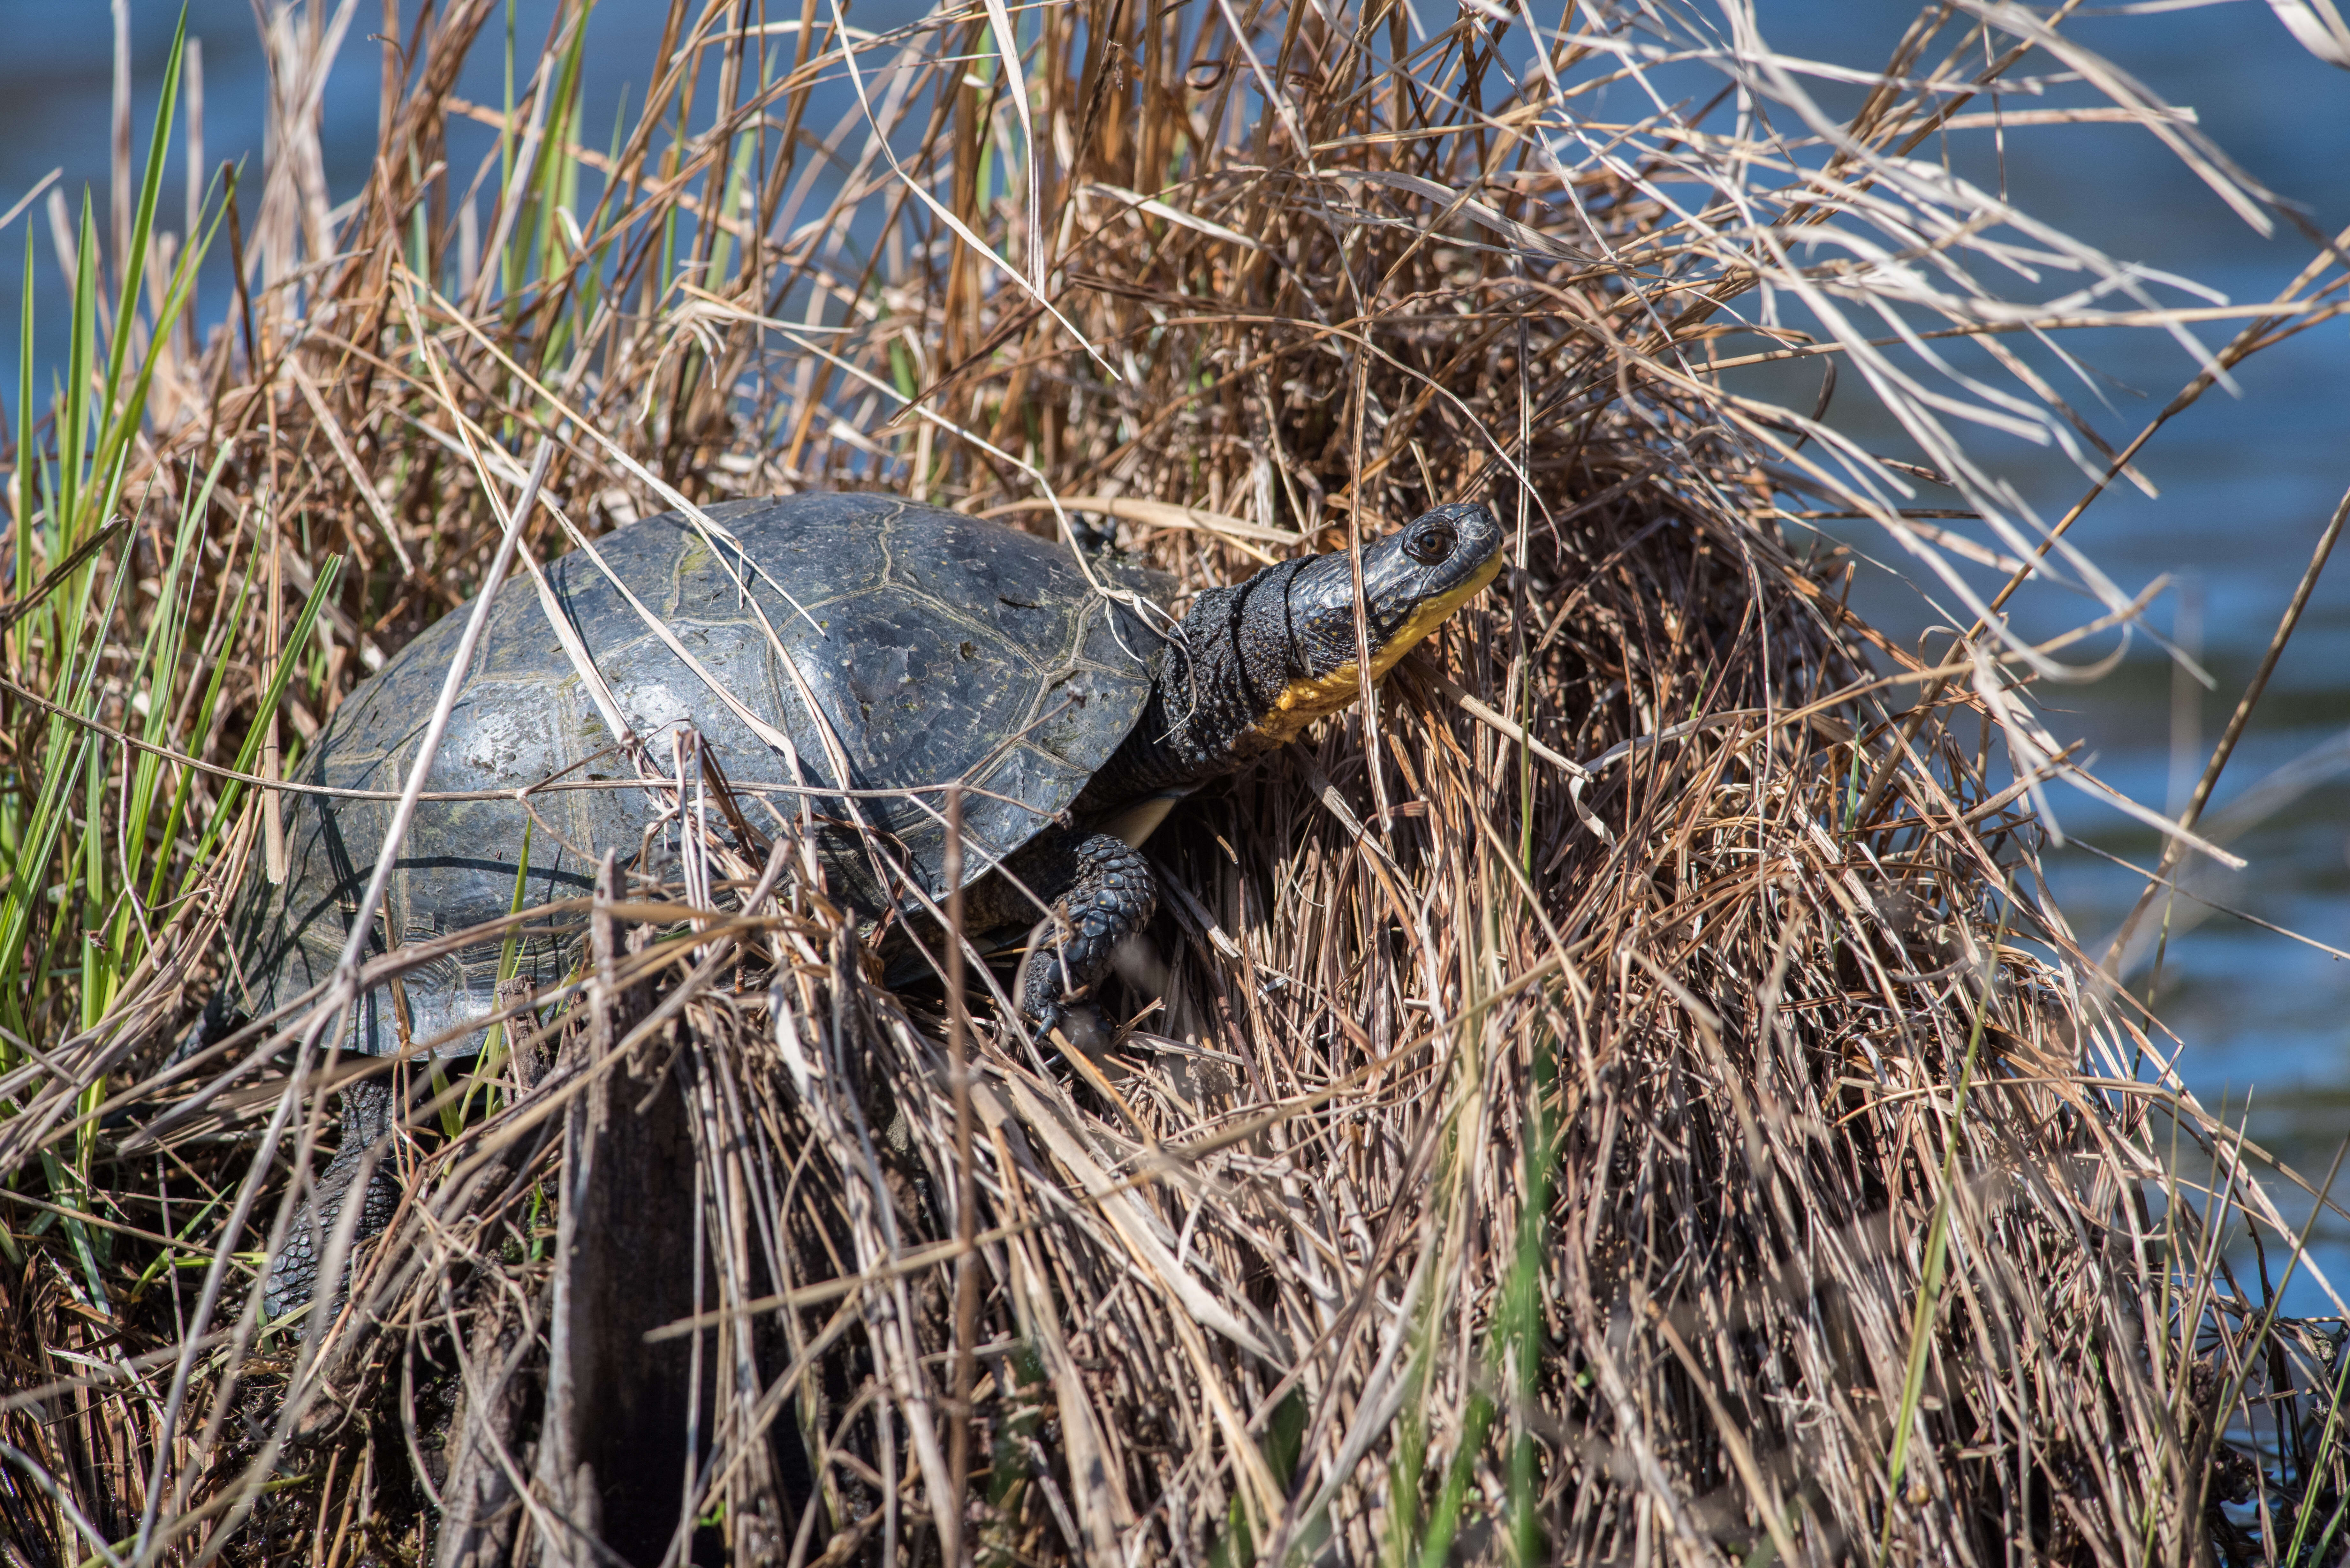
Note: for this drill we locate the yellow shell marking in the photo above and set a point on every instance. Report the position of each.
(1303, 701)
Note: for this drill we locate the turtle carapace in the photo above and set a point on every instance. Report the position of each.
(934, 647)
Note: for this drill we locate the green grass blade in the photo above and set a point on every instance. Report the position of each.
(2307, 1509)
(115, 445)
(495, 1043)
(28, 886)
(1444, 1518)
(142, 223)
(289, 656)
(1937, 1241)
(27, 476)
(202, 727)
(159, 676)
(73, 422)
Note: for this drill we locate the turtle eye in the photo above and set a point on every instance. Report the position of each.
(1432, 542)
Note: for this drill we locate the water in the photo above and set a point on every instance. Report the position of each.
(2246, 482)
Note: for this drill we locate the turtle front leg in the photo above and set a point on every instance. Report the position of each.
(1110, 898)
(367, 1123)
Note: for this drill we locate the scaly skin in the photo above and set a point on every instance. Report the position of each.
(1250, 666)
(367, 1124)
(1110, 897)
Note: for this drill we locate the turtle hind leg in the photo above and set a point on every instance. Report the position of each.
(1109, 898)
(367, 1124)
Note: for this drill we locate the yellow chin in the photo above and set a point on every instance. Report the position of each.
(1303, 701)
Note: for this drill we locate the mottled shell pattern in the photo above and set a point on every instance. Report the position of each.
(938, 647)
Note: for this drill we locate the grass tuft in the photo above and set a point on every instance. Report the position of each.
(1621, 1096)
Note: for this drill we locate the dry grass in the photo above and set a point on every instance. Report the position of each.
(1715, 1149)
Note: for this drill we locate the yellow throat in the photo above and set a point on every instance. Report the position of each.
(1303, 701)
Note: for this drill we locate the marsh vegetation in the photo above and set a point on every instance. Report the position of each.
(1622, 1095)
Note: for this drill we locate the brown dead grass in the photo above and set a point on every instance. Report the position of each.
(1625, 1097)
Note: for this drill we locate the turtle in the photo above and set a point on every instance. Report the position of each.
(935, 646)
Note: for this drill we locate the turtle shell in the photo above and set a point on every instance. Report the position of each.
(937, 647)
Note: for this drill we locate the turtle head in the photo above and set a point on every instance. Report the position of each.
(1412, 579)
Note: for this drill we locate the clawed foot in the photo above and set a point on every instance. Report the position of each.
(1111, 899)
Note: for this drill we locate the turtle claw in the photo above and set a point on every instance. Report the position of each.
(1082, 1025)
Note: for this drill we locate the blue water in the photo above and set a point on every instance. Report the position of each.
(2246, 481)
